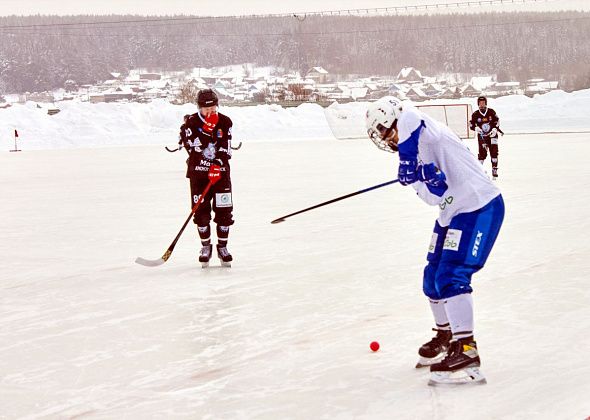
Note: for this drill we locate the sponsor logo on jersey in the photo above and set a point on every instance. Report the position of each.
(453, 239)
(433, 240)
(444, 203)
(477, 243)
(219, 133)
(223, 200)
(209, 152)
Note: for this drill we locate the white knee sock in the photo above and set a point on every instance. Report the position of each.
(440, 315)
(459, 310)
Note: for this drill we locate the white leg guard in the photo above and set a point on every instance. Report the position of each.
(438, 311)
(459, 310)
(440, 315)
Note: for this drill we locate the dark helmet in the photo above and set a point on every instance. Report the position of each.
(207, 97)
(485, 101)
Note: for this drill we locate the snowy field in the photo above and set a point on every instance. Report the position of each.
(284, 334)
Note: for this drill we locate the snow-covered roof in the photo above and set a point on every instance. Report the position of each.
(407, 71)
(481, 82)
(318, 69)
(416, 91)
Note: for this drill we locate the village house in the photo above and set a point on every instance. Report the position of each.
(318, 75)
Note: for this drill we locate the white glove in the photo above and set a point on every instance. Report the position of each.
(494, 132)
(478, 130)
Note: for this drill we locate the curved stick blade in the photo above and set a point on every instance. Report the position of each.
(150, 263)
(279, 220)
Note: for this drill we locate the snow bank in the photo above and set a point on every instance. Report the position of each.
(81, 124)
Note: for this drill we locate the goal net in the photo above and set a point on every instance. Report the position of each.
(347, 121)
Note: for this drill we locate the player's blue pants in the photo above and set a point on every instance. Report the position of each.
(461, 249)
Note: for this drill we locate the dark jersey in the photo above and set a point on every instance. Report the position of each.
(485, 120)
(204, 148)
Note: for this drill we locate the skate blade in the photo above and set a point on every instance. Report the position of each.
(225, 264)
(465, 376)
(204, 264)
(425, 361)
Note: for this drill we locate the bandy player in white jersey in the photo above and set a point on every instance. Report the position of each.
(444, 172)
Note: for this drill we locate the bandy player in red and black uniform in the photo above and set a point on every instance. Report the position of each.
(486, 123)
(206, 136)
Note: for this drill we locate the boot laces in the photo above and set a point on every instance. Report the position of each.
(205, 251)
(439, 338)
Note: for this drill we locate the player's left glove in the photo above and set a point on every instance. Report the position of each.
(494, 132)
(407, 172)
(434, 178)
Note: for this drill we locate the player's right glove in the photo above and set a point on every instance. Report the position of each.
(215, 170)
(434, 178)
(214, 173)
(407, 172)
(478, 130)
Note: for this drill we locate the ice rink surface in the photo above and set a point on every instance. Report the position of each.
(284, 334)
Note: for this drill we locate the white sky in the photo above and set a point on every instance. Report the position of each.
(238, 7)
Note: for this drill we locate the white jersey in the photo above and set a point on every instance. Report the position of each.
(469, 187)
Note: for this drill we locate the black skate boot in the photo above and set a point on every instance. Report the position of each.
(494, 173)
(224, 256)
(435, 349)
(205, 255)
(460, 366)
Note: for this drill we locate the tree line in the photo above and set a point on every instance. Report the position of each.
(515, 46)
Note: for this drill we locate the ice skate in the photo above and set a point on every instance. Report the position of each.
(205, 255)
(460, 366)
(224, 256)
(494, 174)
(435, 349)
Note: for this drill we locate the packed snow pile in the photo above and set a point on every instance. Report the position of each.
(81, 124)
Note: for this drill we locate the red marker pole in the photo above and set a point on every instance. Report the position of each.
(15, 137)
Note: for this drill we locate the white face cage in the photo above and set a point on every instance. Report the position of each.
(381, 136)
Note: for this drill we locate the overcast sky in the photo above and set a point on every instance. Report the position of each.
(239, 7)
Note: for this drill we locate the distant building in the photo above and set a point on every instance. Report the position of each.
(469, 91)
(150, 76)
(539, 86)
(506, 88)
(117, 95)
(447, 93)
(40, 97)
(432, 90)
(410, 75)
(318, 75)
(416, 94)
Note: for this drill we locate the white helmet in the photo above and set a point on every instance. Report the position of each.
(380, 118)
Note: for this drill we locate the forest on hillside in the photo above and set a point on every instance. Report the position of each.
(42, 52)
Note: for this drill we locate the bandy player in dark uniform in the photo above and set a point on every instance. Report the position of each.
(206, 136)
(485, 123)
